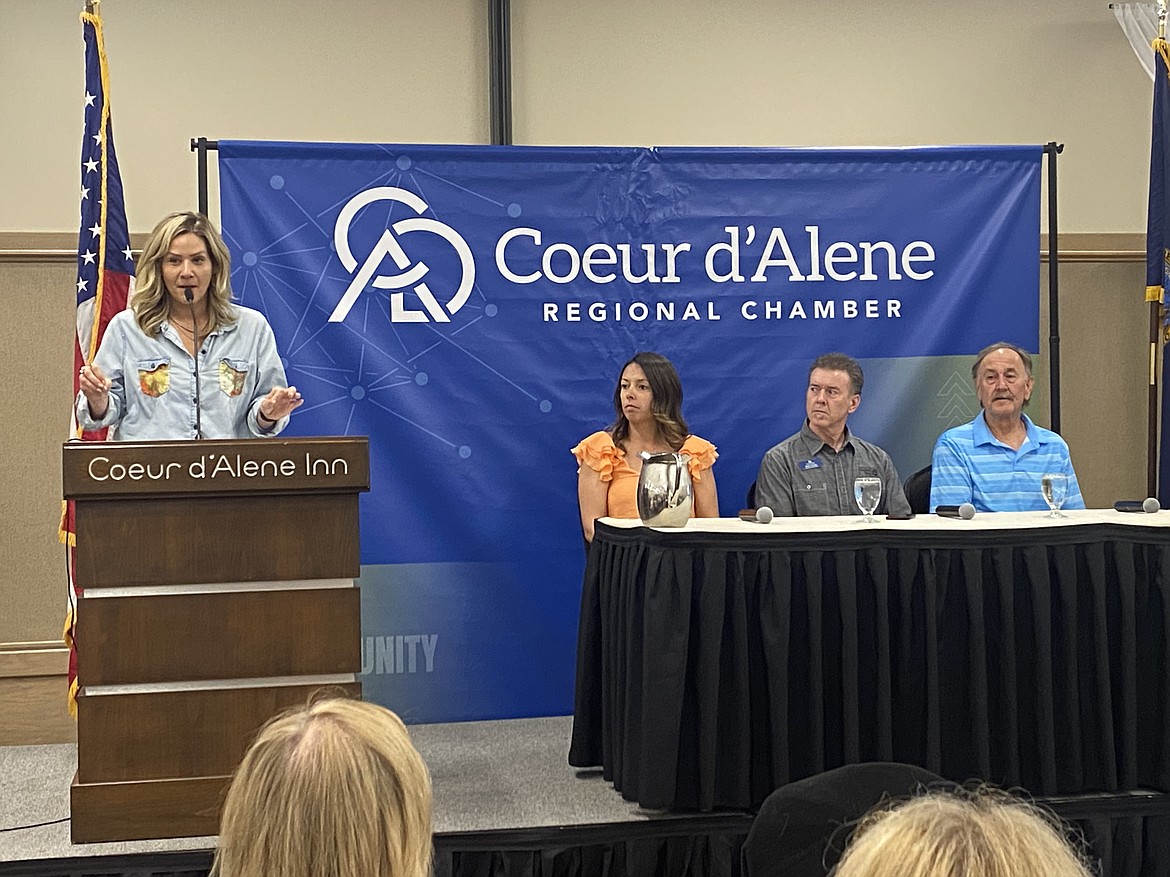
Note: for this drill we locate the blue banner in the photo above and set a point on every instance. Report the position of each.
(469, 308)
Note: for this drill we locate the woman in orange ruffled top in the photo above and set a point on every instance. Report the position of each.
(648, 402)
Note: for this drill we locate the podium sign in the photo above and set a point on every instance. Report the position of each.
(217, 589)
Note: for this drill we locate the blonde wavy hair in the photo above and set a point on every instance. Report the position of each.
(981, 833)
(150, 302)
(336, 788)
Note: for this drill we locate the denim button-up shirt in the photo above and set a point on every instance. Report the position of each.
(153, 392)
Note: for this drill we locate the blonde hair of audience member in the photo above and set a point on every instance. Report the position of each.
(981, 833)
(333, 788)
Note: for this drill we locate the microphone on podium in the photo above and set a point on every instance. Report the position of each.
(1149, 505)
(966, 511)
(762, 515)
(190, 296)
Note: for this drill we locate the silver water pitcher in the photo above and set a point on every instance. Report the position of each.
(665, 494)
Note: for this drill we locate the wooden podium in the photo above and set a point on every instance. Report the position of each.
(218, 590)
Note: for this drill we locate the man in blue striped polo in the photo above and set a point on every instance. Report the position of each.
(995, 461)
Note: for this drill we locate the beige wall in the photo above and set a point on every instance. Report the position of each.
(831, 73)
(752, 72)
(361, 70)
(1104, 367)
(36, 342)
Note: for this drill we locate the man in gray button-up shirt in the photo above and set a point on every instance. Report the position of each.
(812, 472)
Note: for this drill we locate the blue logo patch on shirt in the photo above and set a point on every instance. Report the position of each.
(805, 465)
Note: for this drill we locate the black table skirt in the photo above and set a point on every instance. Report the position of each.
(713, 668)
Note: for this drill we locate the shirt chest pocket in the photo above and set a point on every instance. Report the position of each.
(812, 493)
(233, 375)
(154, 376)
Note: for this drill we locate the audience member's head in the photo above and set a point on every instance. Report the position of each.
(333, 788)
(803, 826)
(982, 833)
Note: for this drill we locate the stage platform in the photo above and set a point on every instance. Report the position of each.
(505, 798)
(507, 803)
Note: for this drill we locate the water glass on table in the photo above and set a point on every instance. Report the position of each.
(867, 490)
(1054, 489)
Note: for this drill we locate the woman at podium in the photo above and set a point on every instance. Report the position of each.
(648, 403)
(183, 361)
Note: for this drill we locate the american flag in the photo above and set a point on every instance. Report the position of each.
(105, 265)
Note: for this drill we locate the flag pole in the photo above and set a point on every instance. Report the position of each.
(105, 265)
(1155, 331)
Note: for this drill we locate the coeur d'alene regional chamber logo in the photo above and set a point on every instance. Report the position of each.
(412, 274)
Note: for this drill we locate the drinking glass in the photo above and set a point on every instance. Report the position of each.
(1054, 489)
(867, 490)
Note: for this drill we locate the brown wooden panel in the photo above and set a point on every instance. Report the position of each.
(187, 807)
(141, 736)
(225, 466)
(227, 635)
(123, 543)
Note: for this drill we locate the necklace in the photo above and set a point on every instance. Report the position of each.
(189, 330)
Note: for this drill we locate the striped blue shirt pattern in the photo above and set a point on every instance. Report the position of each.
(972, 465)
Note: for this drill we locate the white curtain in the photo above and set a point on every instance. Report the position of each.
(1140, 23)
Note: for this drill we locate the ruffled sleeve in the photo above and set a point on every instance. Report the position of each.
(703, 455)
(599, 453)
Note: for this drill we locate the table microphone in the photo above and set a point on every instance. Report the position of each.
(966, 511)
(762, 515)
(1149, 505)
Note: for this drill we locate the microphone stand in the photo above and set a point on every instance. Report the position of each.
(190, 296)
